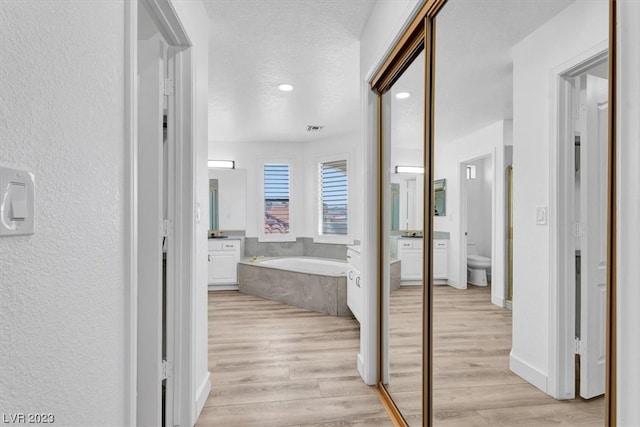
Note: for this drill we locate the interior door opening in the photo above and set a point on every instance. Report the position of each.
(590, 104)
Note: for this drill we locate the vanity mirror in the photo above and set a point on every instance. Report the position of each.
(227, 199)
(494, 72)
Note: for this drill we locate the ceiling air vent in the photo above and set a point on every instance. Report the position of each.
(314, 128)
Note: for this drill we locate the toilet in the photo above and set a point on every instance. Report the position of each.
(477, 266)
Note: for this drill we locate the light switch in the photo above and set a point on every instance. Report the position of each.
(16, 202)
(18, 196)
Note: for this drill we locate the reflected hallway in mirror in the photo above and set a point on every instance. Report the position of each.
(495, 108)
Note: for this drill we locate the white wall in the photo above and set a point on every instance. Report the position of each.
(580, 27)
(304, 156)
(63, 289)
(385, 24)
(195, 20)
(450, 157)
(251, 156)
(628, 392)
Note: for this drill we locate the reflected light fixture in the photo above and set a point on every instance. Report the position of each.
(409, 169)
(403, 95)
(285, 87)
(222, 164)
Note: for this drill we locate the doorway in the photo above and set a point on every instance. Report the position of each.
(477, 221)
(585, 128)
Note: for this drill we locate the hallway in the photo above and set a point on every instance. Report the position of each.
(276, 365)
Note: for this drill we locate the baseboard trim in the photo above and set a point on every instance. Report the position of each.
(528, 373)
(203, 393)
(223, 287)
(497, 301)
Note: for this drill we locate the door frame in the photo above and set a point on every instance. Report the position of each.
(561, 213)
(183, 212)
(463, 220)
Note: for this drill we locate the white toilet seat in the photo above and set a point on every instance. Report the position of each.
(478, 261)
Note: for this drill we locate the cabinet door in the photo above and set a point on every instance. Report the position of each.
(411, 264)
(355, 296)
(439, 263)
(223, 267)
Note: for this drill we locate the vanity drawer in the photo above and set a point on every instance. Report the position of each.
(230, 245)
(439, 244)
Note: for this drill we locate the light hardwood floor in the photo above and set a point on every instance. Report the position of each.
(276, 365)
(472, 383)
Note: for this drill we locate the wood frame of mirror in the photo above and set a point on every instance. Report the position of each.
(419, 35)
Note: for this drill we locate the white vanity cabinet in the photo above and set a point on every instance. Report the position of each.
(355, 294)
(223, 258)
(440, 259)
(410, 256)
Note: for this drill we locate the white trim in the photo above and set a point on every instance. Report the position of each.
(368, 356)
(291, 235)
(182, 303)
(203, 392)
(527, 372)
(398, 34)
(332, 239)
(168, 22)
(131, 205)
(561, 380)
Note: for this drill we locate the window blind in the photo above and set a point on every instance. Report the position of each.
(276, 198)
(334, 198)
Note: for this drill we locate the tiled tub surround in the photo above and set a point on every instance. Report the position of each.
(324, 290)
(303, 246)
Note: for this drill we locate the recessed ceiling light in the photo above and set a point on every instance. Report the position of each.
(285, 87)
(403, 95)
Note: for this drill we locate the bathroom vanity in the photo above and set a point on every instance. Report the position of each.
(355, 294)
(410, 254)
(223, 258)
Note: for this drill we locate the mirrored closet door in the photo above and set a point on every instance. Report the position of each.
(403, 239)
(496, 192)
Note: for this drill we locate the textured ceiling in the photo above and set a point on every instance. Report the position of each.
(474, 71)
(257, 44)
(314, 45)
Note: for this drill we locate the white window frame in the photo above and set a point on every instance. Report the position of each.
(344, 239)
(291, 235)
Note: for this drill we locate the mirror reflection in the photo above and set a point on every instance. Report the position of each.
(519, 86)
(403, 147)
(227, 199)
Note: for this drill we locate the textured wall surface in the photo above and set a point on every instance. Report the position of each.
(62, 332)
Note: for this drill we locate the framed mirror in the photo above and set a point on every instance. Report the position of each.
(402, 283)
(503, 94)
(228, 199)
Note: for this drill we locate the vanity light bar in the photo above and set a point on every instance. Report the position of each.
(409, 169)
(222, 164)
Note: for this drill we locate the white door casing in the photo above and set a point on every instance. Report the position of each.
(593, 164)
(150, 209)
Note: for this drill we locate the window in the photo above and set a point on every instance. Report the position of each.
(333, 199)
(277, 208)
(471, 172)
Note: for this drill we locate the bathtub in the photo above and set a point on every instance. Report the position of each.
(315, 284)
(321, 266)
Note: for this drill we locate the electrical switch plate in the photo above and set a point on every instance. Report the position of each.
(16, 202)
(541, 215)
